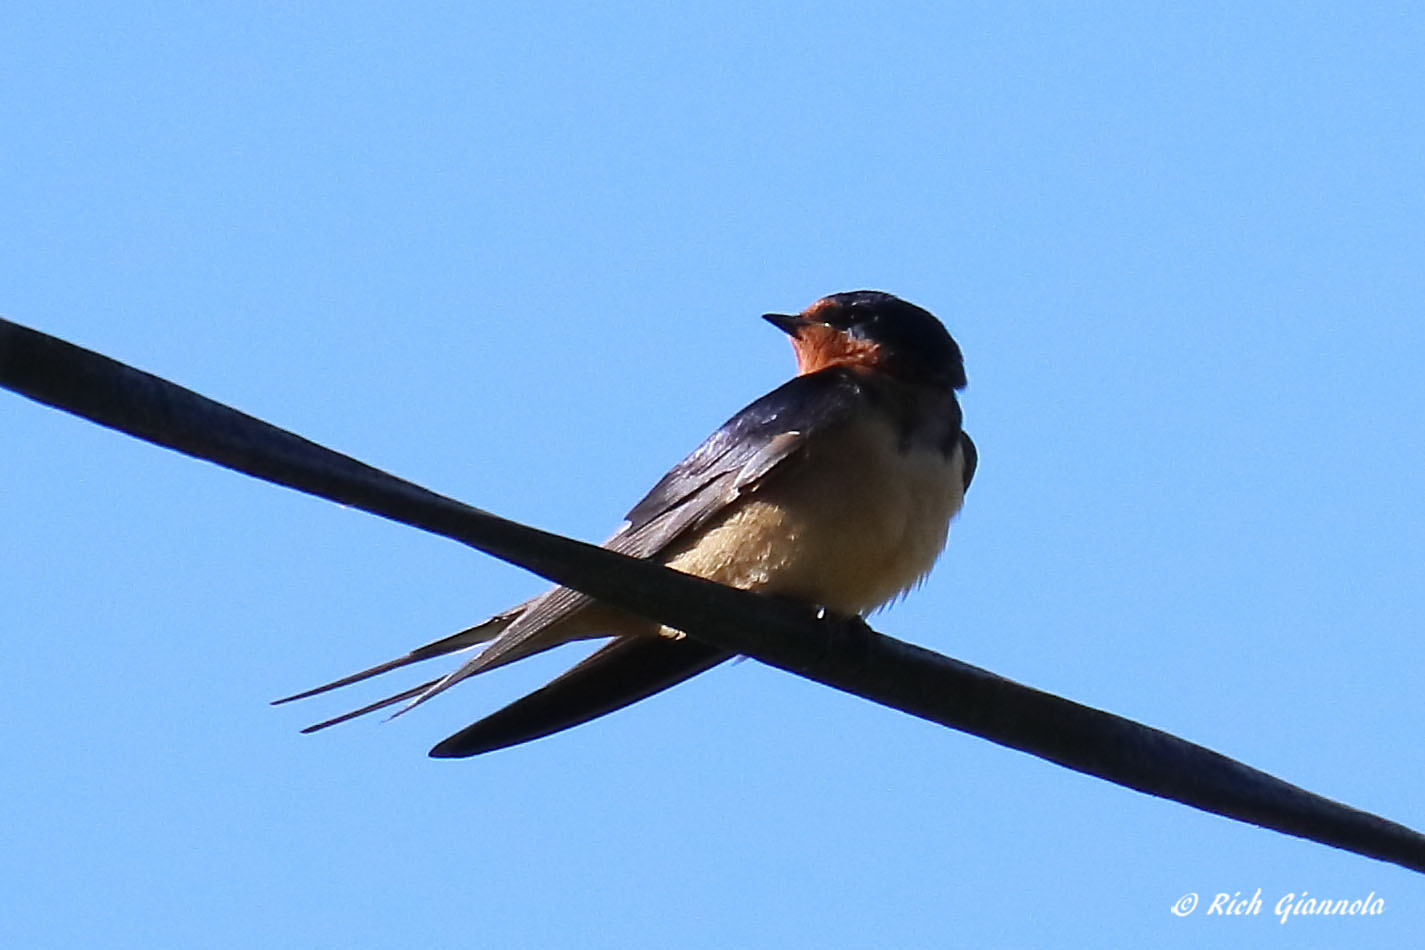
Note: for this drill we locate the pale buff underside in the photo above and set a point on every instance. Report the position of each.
(848, 536)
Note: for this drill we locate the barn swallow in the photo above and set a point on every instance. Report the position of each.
(836, 489)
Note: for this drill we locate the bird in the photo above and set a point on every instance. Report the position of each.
(836, 490)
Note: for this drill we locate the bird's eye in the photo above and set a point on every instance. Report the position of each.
(863, 321)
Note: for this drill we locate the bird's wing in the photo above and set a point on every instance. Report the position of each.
(733, 461)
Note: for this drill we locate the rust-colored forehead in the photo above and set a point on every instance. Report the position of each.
(820, 309)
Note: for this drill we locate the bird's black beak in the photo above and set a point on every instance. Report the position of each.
(788, 323)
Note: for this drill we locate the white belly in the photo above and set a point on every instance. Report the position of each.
(852, 523)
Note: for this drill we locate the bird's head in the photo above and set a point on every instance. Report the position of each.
(875, 330)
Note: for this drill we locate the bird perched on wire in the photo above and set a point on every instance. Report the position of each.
(835, 489)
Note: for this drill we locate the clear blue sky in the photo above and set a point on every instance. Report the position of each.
(517, 253)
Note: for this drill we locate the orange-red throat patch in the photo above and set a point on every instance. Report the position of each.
(818, 346)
